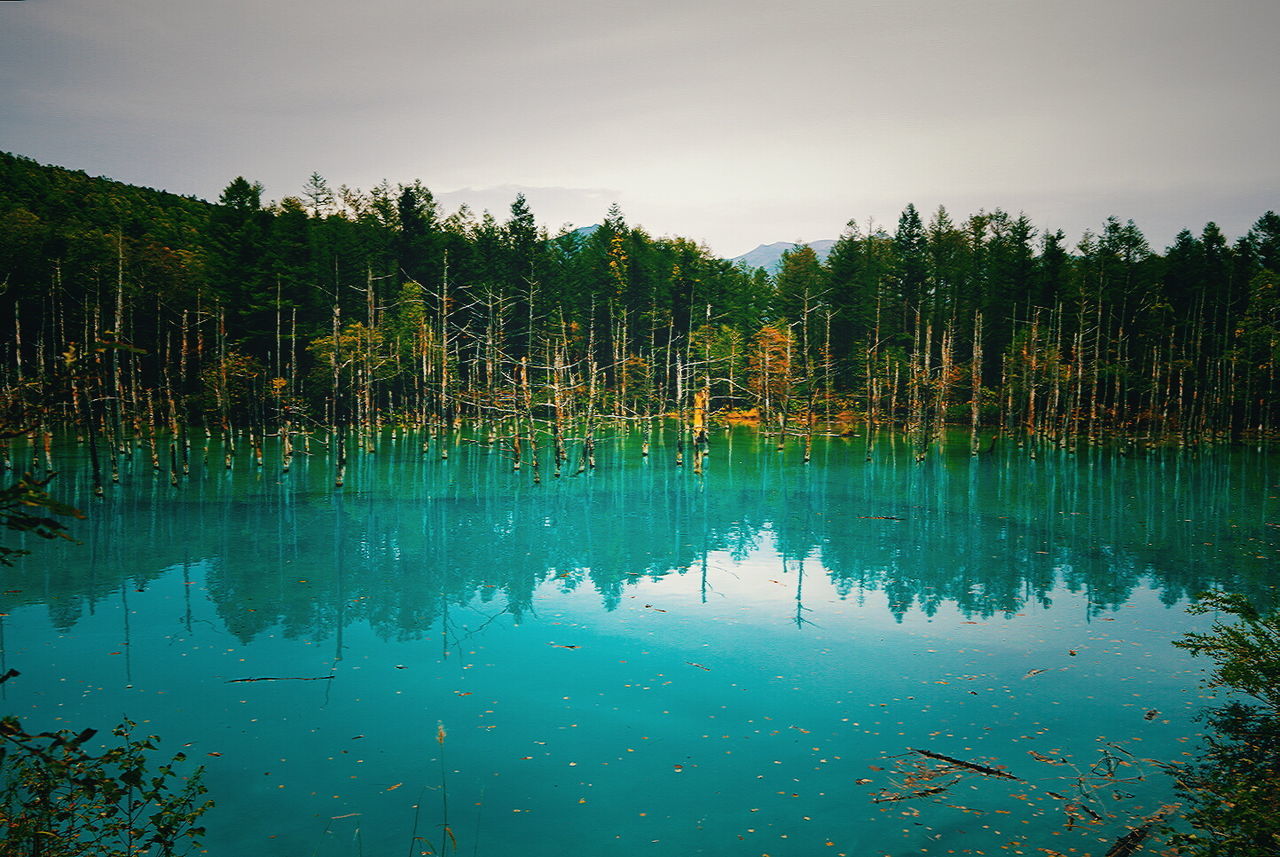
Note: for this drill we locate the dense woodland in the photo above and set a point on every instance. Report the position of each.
(133, 313)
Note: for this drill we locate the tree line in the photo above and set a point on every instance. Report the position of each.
(133, 313)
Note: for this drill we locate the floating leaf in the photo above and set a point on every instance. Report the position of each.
(1041, 757)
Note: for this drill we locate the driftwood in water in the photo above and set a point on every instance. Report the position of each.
(282, 678)
(1131, 842)
(970, 766)
(888, 797)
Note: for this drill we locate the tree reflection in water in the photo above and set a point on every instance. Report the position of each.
(410, 536)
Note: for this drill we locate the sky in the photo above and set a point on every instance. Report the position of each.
(730, 122)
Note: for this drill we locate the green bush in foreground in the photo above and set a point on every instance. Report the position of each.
(1233, 790)
(57, 799)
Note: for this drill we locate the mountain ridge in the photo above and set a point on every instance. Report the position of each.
(769, 256)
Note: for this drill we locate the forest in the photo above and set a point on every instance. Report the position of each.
(130, 312)
(146, 324)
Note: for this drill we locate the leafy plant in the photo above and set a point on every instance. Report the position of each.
(1233, 789)
(26, 507)
(58, 799)
(1247, 652)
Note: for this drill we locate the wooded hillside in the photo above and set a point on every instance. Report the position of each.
(126, 309)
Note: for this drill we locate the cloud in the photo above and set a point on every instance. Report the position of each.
(735, 123)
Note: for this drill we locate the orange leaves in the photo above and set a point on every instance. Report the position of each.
(769, 361)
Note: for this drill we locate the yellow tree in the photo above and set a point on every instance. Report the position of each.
(769, 371)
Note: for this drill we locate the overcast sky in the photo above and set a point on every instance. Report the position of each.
(733, 123)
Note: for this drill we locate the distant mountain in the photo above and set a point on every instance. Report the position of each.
(769, 256)
(579, 235)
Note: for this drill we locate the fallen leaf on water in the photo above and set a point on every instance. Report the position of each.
(214, 754)
(563, 646)
(1030, 673)
(1151, 715)
(396, 786)
(1041, 757)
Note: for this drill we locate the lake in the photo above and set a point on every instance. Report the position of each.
(645, 660)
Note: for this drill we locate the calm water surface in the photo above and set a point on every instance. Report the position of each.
(641, 660)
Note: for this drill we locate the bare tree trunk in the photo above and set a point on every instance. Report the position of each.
(975, 384)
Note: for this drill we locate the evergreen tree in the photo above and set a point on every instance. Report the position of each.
(239, 270)
(910, 245)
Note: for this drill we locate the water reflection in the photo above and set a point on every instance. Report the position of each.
(413, 536)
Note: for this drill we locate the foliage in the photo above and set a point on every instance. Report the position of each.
(230, 385)
(25, 507)
(1246, 653)
(770, 364)
(358, 345)
(1233, 789)
(60, 800)
(1186, 343)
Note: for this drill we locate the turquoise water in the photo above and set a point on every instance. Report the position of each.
(643, 660)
